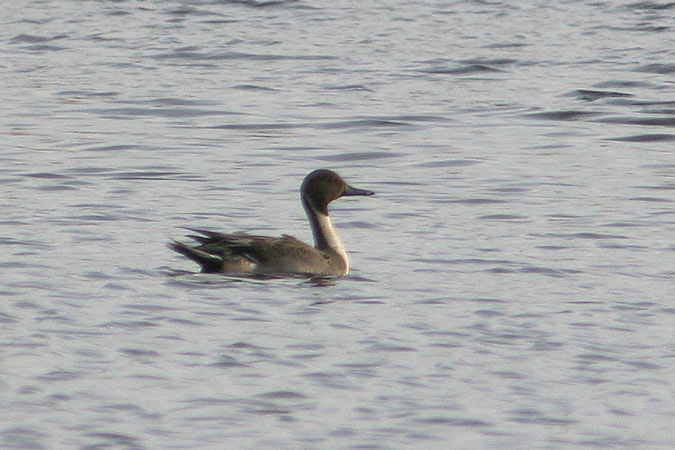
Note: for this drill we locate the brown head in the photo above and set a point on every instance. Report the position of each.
(322, 186)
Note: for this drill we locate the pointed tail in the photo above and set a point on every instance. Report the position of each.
(208, 261)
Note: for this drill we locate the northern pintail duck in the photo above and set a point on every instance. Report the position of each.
(244, 253)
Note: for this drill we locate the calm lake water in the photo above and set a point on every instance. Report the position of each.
(513, 278)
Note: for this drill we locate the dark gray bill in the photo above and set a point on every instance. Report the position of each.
(349, 191)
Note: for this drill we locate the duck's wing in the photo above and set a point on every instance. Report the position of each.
(240, 252)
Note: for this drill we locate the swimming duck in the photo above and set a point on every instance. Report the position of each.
(244, 253)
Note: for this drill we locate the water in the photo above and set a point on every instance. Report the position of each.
(512, 279)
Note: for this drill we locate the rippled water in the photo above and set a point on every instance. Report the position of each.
(512, 279)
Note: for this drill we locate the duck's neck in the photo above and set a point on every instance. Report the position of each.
(325, 236)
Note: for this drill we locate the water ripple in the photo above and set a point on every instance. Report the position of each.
(568, 115)
(662, 69)
(646, 138)
(192, 55)
(460, 70)
(593, 95)
(645, 121)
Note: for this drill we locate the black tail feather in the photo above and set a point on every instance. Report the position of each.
(208, 261)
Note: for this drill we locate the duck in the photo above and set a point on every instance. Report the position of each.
(242, 253)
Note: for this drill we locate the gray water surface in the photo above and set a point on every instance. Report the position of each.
(512, 282)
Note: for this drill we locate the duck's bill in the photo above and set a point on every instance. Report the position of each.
(349, 191)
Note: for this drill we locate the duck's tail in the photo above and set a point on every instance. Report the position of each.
(208, 261)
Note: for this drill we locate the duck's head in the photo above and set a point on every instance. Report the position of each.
(322, 186)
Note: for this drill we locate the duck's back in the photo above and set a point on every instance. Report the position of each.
(244, 253)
